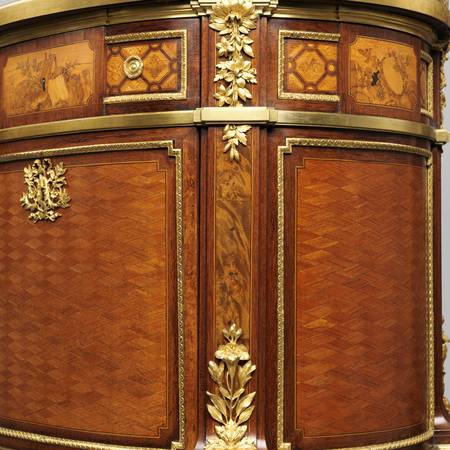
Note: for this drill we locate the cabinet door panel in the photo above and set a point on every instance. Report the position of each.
(353, 296)
(93, 342)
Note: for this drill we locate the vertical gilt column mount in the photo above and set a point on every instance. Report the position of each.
(234, 20)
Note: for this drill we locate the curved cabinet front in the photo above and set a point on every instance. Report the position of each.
(219, 226)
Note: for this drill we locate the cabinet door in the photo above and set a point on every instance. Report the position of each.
(354, 293)
(98, 285)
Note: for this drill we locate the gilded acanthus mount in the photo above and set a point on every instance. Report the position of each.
(46, 190)
(233, 20)
(232, 406)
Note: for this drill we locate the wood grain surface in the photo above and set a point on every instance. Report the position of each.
(90, 297)
(161, 58)
(88, 304)
(383, 73)
(360, 295)
(233, 240)
(162, 66)
(55, 78)
(310, 66)
(303, 57)
(355, 295)
(92, 330)
(59, 77)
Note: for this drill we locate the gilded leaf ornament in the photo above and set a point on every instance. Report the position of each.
(233, 20)
(232, 406)
(445, 341)
(444, 59)
(45, 190)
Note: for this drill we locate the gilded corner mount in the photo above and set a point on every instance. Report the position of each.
(233, 20)
(46, 190)
(231, 407)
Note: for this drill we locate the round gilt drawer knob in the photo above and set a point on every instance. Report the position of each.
(133, 66)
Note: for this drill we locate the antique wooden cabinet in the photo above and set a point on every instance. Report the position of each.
(220, 225)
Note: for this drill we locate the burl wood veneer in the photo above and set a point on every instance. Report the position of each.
(169, 170)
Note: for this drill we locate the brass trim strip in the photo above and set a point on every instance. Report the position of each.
(361, 145)
(354, 122)
(360, 14)
(312, 35)
(114, 12)
(114, 147)
(149, 35)
(428, 111)
(436, 9)
(219, 116)
(442, 136)
(429, 8)
(138, 13)
(28, 9)
(88, 18)
(99, 123)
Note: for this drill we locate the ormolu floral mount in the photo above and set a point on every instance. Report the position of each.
(234, 19)
(231, 407)
(45, 190)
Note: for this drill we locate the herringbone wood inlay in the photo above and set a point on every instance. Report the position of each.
(360, 297)
(84, 302)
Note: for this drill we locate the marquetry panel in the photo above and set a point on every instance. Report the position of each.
(233, 216)
(51, 78)
(55, 78)
(89, 303)
(426, 84)
(149, 63)
(233, 252)
(355, 291)
(383, 73)
(308, 65)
